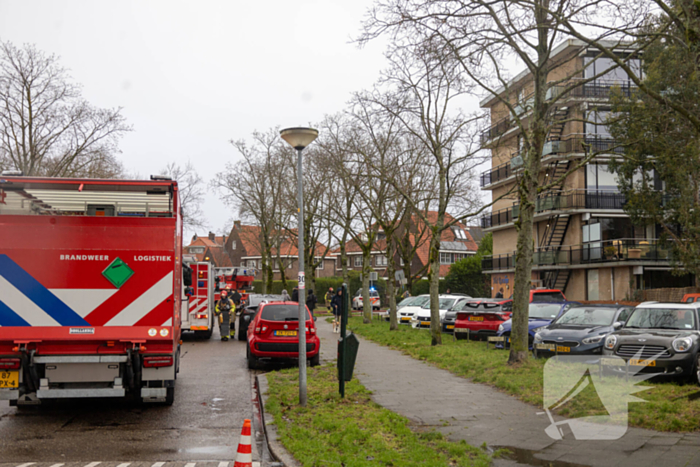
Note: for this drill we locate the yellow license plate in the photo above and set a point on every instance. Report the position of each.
(9, 379)
(476, 318)
(563, 349)
(285, 333)
(637, 362)
(405, 319)
(450, 326)
(425, 323)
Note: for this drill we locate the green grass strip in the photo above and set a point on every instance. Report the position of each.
(331, 431)
(668, 406)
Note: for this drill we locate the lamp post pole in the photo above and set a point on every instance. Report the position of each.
(302, 283)
(299, 138)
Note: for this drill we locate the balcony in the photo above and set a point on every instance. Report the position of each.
(609, 251)
(568, 145)
(600, 89)
(559, 201)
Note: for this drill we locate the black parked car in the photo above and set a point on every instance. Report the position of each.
(246, 316)
(659, 338)
(581, 330)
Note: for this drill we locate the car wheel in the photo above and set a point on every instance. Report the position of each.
(169, 396)
(252, 361)
(697, 369)
(316, 360)
(241, 335)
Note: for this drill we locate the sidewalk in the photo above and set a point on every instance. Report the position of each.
(480, 414)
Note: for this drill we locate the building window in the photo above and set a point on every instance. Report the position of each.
(595, 66)
(593, 284)
(401, 262)
(599, 178)
(233, 244)
(260, 264)
(320, 265)
(445, 258)
(251, 263)
(381, 260)
(358, 261)
(459, 233)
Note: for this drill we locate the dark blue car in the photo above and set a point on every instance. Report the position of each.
(541, 314)
(581, 330)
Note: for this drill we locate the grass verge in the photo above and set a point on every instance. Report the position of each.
(331, 431)
(668, 407)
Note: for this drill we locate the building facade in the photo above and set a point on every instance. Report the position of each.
(585, 243)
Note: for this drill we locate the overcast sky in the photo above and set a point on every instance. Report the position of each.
(192, 75)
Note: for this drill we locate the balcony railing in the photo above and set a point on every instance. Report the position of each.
(567, 145)
(609, 251)
(600, 89)
(559, 201)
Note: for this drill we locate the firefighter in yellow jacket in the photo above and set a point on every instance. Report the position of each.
(226, 311)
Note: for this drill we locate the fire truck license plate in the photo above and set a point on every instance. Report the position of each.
(285, 333)
(9, 379)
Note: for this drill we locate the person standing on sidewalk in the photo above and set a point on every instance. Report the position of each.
(311, 301)
(337, 305)
(329, 299)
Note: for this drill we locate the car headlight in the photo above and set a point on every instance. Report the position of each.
(610, 341)
(682, 344)
(594, 339)
(541, 328)
(538, 338)
(500, 328)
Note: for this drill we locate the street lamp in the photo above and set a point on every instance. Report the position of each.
(299, 138)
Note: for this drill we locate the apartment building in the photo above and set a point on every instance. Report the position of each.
(585, 243)
(456, 243)
(244, 245)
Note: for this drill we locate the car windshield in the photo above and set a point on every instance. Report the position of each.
(544, 310)
(282, 313)
(255, 300)
(420, 301)
(443, 303)
(547, 296)
(661, 318)
(408, 301)
(587, 316)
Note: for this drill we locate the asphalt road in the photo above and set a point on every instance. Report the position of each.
(212, 398)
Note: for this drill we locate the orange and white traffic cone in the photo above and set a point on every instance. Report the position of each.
(244, 457)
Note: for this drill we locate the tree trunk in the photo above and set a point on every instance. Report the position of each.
(344, 263)
(390, 289)
(366, 305)
(263, 278)
(434, 278)
(283, 273)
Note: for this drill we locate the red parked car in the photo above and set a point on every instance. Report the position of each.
(272, 335)
(479, 318)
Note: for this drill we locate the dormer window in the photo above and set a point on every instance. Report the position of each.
(459, 233)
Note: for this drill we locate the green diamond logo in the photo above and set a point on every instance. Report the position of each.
(118, 272)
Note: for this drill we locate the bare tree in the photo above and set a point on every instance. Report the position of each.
(191, 188)
(481, 35)
(46, 127)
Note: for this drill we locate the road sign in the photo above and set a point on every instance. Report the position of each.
(399, 275)
(302, 280)
(373, 276)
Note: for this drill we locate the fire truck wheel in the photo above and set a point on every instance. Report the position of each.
(170, 396)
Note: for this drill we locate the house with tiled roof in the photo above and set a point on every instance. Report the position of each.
(244, 246)
(209, 248)
(456, 243)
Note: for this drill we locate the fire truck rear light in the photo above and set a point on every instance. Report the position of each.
(157, 362)
(110, 343)
(201, 316)
(9, 363)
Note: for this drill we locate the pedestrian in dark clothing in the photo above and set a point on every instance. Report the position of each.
(311, 301)
(337, 304)
(500, 293)
(236, 297)
(295, 294)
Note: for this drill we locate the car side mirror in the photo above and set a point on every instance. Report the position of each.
(315, 318)
(618, 325)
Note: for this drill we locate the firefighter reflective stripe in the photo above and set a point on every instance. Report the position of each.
(144, 304)
(18, 281)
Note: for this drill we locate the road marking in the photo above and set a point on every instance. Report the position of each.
(158, 464)
(27, 464)
(125, 464)
(191, 464)
(93, 464)
(223, 464)
(58, 465)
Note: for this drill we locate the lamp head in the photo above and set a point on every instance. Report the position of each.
(299, 138)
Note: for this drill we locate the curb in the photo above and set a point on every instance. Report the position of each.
(270, 430)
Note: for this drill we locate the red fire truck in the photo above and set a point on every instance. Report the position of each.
(198, 315)
(91, 282)
(231, 279)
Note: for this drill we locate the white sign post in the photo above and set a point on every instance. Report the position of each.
(302, 280)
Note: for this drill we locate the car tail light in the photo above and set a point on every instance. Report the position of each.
(9, 363)
(313, 330)
(157, 362)
(201, 316)
(264, 328)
